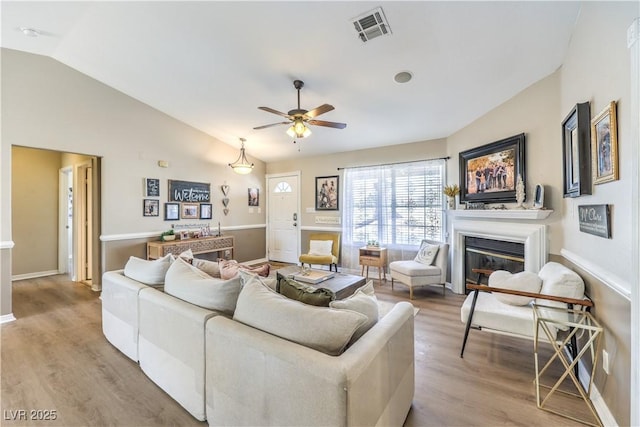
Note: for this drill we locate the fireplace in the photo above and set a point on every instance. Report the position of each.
(491, 254)
(532, 238)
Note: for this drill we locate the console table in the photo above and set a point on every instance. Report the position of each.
(200, 245)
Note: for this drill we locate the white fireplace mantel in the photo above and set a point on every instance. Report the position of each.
(511, 214)
(532, 235)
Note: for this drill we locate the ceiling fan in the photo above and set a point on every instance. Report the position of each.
(299, 118)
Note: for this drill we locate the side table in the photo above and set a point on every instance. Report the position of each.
(578, 321)
(374, 257)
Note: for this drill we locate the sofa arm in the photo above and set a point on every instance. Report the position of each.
(254, 378)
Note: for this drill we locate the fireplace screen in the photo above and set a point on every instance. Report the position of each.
(492, 255)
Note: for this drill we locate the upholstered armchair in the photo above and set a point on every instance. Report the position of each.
(324, 249)
(429, 267)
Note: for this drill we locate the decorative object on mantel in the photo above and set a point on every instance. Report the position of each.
(451, 191)
(575, 151)
(475, 206)
(241, 165)
(167, 235)
(520, 192)
(538, 198)
(604, 145)
(595, 219)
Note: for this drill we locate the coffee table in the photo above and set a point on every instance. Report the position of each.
(342, 285)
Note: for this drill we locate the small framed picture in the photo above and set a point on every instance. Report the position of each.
(327, 193)
(205, 211)
(604, 145)
(190, 210)
(151, 187)
(254, 196)
(150, 207)
(171, 211)
(184, 234)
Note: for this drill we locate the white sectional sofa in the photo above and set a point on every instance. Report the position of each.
(230, 372)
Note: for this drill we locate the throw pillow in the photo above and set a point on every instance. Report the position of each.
(229, 269)
(212, 268)
(523, 281)
(427, 253)
(363, 301)
(187, 256)
(321, 328)
(320, 247)
(186, 282)
(149, 272)
(307, 294)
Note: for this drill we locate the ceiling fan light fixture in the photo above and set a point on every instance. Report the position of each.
(298, 129)
(241, 165)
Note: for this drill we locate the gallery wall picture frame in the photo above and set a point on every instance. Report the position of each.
(253, 196)
(171, 211)
(189, 211)
(488, 174)
(604, 145)
(206, 211)
(327, 193)
(595, 219)
(150, 207)
(151, 187)
(576, 151)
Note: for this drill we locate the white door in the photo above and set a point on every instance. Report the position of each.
(283, 217)
(65, 227)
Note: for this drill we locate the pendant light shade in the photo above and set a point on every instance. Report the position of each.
(241, 165)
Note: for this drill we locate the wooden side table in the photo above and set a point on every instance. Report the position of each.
(374, 257)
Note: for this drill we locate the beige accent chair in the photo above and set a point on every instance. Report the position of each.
(323, 259)
(415, 274)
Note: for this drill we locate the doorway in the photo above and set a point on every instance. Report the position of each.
(283, 217)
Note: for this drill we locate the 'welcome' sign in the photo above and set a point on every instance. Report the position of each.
(185, 191)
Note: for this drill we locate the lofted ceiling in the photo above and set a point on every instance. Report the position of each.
(212, 63)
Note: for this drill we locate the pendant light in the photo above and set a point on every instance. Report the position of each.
(241, 165)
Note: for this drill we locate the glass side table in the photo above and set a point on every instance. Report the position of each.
(580, 324)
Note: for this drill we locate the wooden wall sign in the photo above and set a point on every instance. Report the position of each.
(595, 219)
(185, 191)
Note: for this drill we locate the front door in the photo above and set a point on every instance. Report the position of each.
(283, 217)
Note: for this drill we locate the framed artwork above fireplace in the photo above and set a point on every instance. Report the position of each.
(489, 173)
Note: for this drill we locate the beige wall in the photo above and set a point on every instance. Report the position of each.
(55, 107)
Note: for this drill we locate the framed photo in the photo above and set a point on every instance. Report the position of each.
(205, 211)
(327, 193)
(150, 207)
(171, 211)
(488, 174)
(604, 145)
(595, 219)
(190, 211)
(254, 196)
(151, 187)
(576, 153)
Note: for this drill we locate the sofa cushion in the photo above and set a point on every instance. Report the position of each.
(212, 268)
(523, 281)
(149, 272)
(302, 292)
(413, 268)
(322, 328)
(427, 253)
(363, 301)
(186, 282)
(320, 247)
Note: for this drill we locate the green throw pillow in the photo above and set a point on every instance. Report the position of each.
(307, 294)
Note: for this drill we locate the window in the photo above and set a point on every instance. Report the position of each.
(397, 205)
(282, 187)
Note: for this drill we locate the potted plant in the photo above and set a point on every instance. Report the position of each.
(167, 235)
(451, 191)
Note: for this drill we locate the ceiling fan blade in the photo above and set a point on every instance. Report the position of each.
(271, 110)
(272, 124)
(327, 124)
(320, 110)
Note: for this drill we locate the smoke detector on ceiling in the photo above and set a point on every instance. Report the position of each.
(371, 24)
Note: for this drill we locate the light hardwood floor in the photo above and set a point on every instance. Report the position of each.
(54, 357)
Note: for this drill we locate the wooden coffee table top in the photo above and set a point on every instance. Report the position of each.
(342, 285)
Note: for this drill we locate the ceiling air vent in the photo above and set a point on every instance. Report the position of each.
(371, 25)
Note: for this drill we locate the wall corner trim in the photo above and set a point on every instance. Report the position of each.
(633, 32)
(7, 318)
(8, 244)
(606, 277)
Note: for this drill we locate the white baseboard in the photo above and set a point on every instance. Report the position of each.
(7, 318)
(606, 417)
(34, 275)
